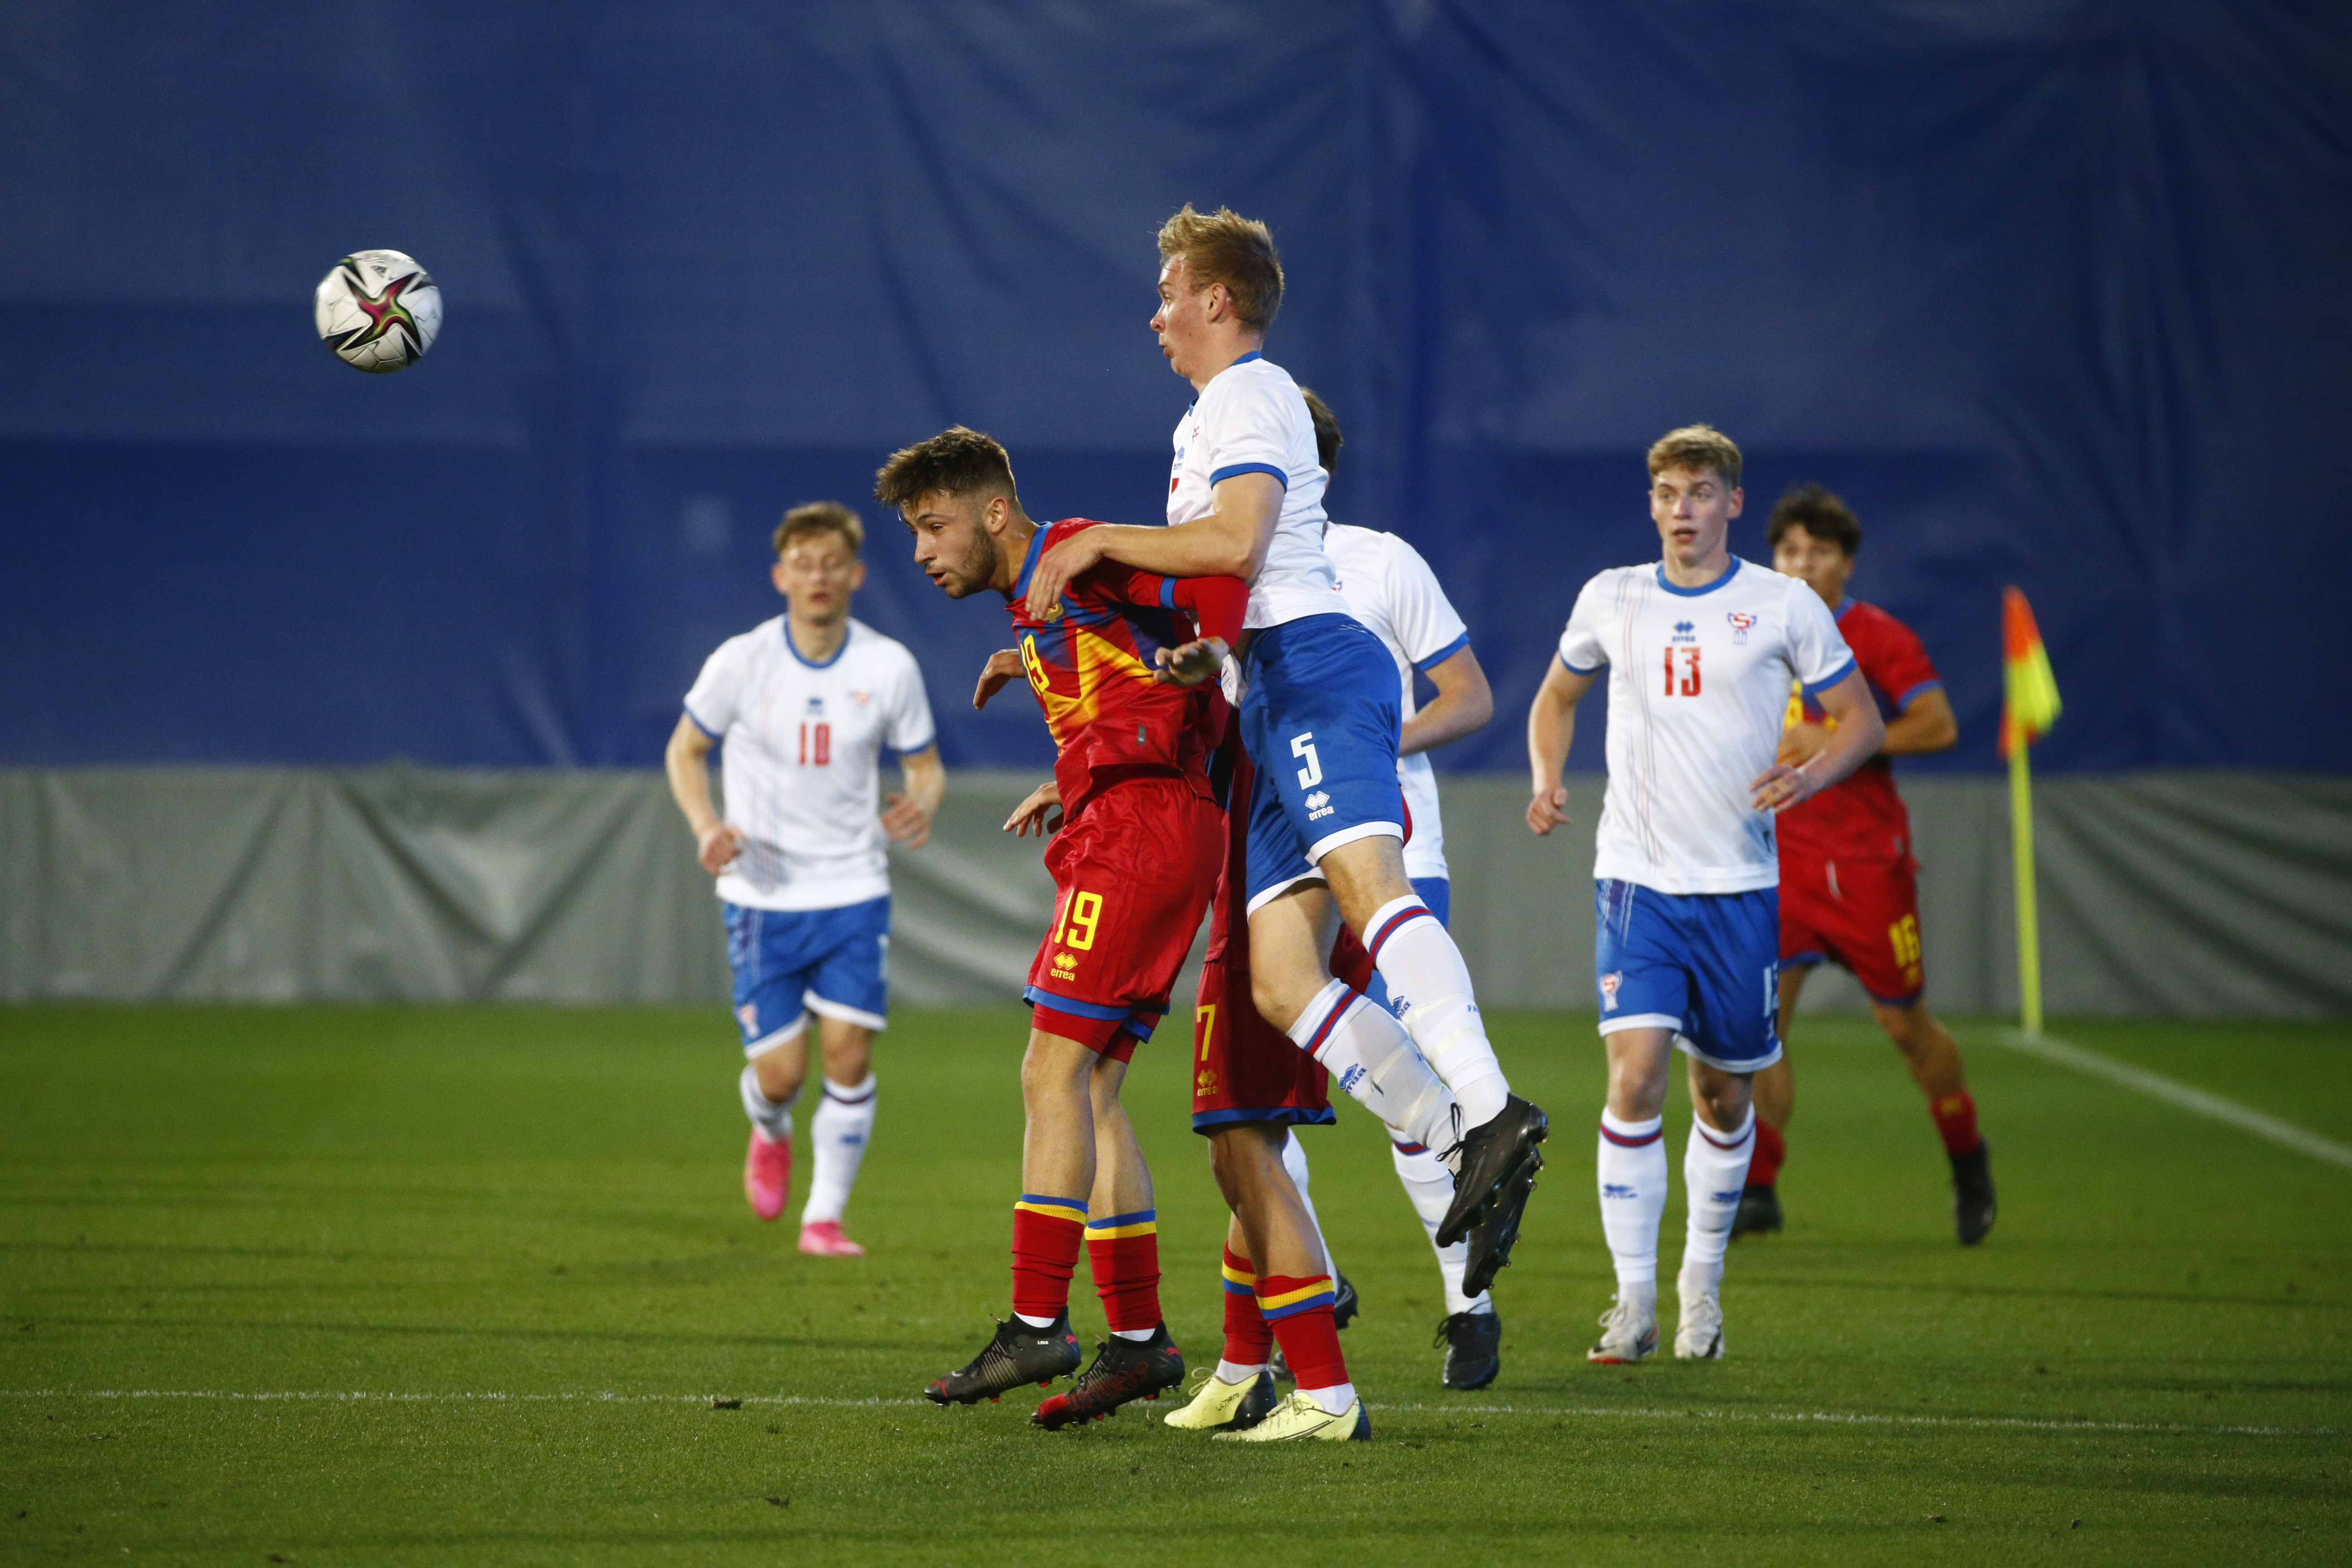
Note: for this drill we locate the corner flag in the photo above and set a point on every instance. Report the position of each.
(2029, 702)
(2029, 707)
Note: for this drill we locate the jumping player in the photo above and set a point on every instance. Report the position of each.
(1848, 887)
(1134, 860)
(1320, 719)
(1700, 649)
(805, 704)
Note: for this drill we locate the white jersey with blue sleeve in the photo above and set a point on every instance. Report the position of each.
(1391, 590)
(800, 761)
(1699, 686)
(1252, 419)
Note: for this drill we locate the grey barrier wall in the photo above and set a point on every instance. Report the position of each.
(2191, 892)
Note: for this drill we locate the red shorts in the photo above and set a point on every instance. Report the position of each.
(1132, 875)
(1244, 1069)
(1863, 914)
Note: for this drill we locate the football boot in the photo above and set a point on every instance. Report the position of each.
(1759, 1211)
(1972, 1202)
(1218, 1406)
(1699, 1336)
(823, 1239)
(1494, 1167)
(1299, 1419)
(767, 1174)
(1473, 1342)
(1018, 1354)
(1123, 1370)
(1628, 1334)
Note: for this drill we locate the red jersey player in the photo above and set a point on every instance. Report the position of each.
(1847, 888)
(1135, 857)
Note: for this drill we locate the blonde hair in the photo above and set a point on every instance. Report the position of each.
(820, 517)
(1694, 447)
(1226, 248)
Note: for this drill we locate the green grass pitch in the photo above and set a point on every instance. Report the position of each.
(445, 1286)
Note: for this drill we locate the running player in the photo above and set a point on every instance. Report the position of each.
(805, 704)
(1135, 860)
(1319, 718)
(1848, 887)
(1700, 649)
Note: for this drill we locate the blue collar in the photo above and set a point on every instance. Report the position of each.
(1028, 564)
(811, 663)
(1843, 605)
(1254, 353)
(1704, 588)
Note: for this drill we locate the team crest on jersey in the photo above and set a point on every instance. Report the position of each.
(1686, 632)
(860, 696)
(1741, 624)
(1609, 983)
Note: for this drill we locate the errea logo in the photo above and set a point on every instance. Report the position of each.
(1686, 632)
(1319, 805)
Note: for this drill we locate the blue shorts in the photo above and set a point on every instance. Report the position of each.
(1704, 965)
(792, 963)
(1320, 720)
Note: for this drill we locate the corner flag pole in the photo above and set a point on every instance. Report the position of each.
(2029, 707)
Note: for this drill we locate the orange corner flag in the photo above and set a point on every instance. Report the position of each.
(2029, 702)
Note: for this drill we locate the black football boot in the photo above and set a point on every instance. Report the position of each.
(1018, 1354)
(1972, 1202)
(1759, 1211)
(1123, 1370)
(1474, 1349)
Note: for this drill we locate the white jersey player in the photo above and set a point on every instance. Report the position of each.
(1699, 650)
(804, 705)
(1390, 589)
(1320, 719)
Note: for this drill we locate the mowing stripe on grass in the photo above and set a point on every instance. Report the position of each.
(1825, 1417)
(2188, 1097)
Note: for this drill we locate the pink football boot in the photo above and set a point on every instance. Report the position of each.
(767, 1174)
(824, 1239)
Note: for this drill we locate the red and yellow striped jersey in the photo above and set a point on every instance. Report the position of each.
(1090, 661)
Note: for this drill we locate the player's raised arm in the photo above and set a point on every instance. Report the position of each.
(1858, 737)
(1230, 542)
(1551, 725)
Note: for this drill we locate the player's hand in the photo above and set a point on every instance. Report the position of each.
(1040, 812)
(717, 847)
(1004, 666)
(1195, 662)
(1780, 786)
(1055, 570)
(1800, 744)
(1547, 810)
(906, 821)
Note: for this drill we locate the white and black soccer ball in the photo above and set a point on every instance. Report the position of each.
(378, 310)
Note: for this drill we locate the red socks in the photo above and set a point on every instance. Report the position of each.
(1123, 1250)
(1955, 1121)
(1764, 1165)
(1249, 1338)
(1045, 1236)
(1301, 1312)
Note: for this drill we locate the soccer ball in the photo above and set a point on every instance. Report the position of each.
(378, 310)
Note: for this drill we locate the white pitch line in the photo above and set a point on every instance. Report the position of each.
(1824, 1418)
(2188, 1097)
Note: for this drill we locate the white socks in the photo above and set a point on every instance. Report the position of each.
(1332, 1401)
(1430, 1185)
(837, 1135)
(1632, 1178)
(1715, 1169)
(775, 1120)
(1374, 1060)
(1429, 986)
(1294, 1160)
(1228, 1373)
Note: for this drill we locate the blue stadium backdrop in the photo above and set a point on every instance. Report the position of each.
(2054, 292)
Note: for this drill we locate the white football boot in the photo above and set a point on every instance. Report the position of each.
(1700, 1337)
(1629, 1333)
